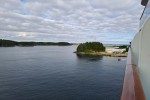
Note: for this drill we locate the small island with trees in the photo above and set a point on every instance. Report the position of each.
(98, 49)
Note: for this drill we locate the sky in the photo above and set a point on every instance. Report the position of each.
(75, 21)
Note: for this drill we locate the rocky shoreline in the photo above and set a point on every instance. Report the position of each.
(114, 54)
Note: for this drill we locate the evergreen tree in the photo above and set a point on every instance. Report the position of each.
(90, 46)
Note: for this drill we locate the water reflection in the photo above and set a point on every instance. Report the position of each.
(89, 57)
(55, 73)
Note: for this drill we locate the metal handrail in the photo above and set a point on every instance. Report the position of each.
(143, 13)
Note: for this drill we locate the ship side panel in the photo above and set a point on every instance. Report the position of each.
(144, 58)
(135, 47)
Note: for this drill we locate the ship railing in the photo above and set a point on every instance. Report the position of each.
(132, 87)
(145, 15)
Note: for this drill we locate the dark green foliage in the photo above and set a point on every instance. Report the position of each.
(9, 43)
(63, 43)
(53, 43)
(25, 44)
(127, 48)
(90, 46)
(124, 47)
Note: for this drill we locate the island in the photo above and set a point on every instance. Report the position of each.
(98, 49)
(10, 43)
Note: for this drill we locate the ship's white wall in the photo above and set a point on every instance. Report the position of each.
(135, 47)
(141, 51)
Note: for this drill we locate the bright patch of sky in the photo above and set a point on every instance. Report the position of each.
(107, 21)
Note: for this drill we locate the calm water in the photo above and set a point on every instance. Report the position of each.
(56, 73)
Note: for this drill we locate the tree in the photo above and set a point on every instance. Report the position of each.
(90, 46)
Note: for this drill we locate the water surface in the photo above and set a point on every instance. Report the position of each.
(56, 73)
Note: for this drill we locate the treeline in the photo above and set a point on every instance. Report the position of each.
(90, 46)
(124, 47)
(7, 43)
(10, 43)
(53, 43)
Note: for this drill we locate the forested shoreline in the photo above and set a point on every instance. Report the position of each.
(10, 43)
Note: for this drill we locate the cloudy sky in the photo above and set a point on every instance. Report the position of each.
(107, 21)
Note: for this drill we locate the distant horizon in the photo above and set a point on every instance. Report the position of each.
(68, 42)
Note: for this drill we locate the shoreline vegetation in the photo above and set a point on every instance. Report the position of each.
(88, 48)
(98, 49)
(10, 43)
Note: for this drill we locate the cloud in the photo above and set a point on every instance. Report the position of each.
(70, 20)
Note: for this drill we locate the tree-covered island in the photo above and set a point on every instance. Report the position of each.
(97, 48)
(90, 47)
(10, 43)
